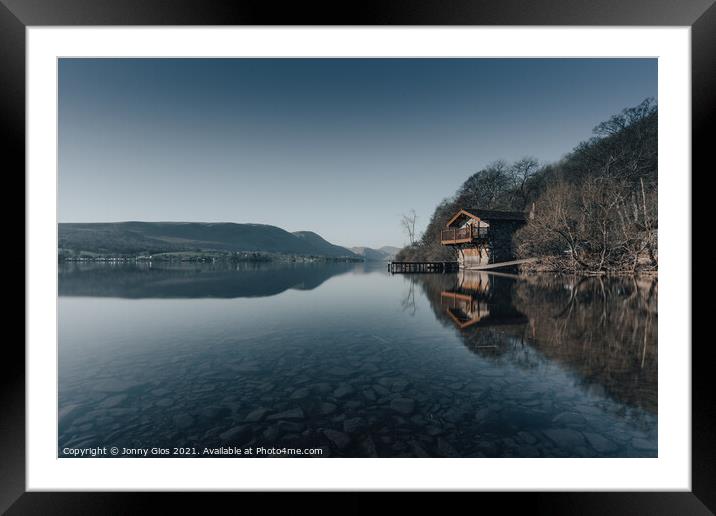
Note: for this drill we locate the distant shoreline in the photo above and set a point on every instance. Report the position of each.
(201, 257)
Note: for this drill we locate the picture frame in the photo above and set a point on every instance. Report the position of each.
(700, 15)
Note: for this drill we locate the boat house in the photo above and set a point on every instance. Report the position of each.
(482, 237)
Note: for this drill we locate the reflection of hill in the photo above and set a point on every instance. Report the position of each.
(141, 281)
(604, 329)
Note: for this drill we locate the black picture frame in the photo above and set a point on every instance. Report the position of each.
(17, 15)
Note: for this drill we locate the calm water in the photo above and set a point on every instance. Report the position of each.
(356, 362)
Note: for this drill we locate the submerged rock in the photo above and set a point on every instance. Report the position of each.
(339, 371)
(116, 385)
(256, 415)
(113, 401)
(418, 450)
(343, 390)
(354, 424)
(299, 394)
(600, 443)
(382, 391)
(234, 433)
(326, 408)
(369, 394)
(446, 449)
(643, 444)
(368, 446)
(400, 385)
(322, 387)
(482, 414)
(339, 439)
(290, 427)
(403, 405)
(526, 438)
(564, 437)
(295, 413)
(213, 412)
(183, 421)
(528, 451)
(247, 367)
(271, 433)
(353, 404)
(433, 430)
(569, 418)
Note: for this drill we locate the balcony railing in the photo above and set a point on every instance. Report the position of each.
(466, 234)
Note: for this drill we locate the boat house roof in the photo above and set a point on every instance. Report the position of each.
(486, 215)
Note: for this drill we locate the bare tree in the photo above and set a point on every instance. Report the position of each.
(596, 226)
(520, 173)
(488, 188)
(628, 117)
(408, 224)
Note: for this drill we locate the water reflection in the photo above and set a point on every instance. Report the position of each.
(602, 329)
(357, 362)
(142, 280)
(479, 302)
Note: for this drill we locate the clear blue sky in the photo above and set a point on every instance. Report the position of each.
(341, 147)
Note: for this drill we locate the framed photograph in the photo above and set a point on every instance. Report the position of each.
(412, 249)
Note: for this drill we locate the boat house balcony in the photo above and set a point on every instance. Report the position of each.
(464, 235)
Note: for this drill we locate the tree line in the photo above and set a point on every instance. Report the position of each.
(593, 211)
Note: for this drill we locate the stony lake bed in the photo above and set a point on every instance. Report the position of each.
(356, 362)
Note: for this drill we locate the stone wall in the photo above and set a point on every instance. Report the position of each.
(473, 255)
(498, 248)
(500, 241)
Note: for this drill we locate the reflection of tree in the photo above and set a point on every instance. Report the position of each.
(604, 329)
(408, 302)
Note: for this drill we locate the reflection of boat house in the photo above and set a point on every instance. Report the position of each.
(482, 236)
(481, 300)
(464, 309)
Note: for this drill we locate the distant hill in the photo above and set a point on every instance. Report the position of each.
(383, 254)
(158, 237)
(390, 250)
(322, 246)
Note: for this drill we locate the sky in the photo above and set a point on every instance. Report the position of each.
(342, 147)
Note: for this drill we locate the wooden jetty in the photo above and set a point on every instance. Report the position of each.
(417, 267)
(408, 267)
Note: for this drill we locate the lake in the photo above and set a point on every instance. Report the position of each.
(355, 362)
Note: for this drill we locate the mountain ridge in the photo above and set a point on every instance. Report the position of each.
(381, 254)
(137, 237)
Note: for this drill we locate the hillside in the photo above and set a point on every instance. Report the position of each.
(383, 254)
(320, 245)
(593, 211)
(390, 250)
(135, 238)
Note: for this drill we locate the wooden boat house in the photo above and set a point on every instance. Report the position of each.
(482, 237)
